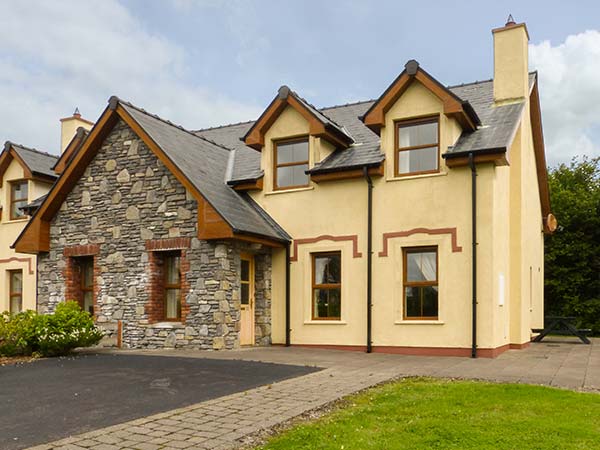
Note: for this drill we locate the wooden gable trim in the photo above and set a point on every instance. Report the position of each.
(6, 158)
(540, 158)
(453, 107)
(66, 155)
(349, 174)
(255, 137)
(35, 237)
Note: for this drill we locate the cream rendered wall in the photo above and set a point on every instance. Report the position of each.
(9, 230)
(340, 208)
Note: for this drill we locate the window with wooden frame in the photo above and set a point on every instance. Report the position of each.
(420, 283)
(171, 265)
(86, 283)
(326, 286)
(18, 198)
(290, 161)
(417, 146)
(15, 291)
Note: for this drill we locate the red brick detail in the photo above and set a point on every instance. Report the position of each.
(327, 237)
(168, 244)
(155, 306)
(72, 275)
(82, 250)
(433, 231)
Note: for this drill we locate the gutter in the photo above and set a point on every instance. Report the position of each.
(473, 253)
(369, 257)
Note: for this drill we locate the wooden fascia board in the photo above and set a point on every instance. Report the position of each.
(60, 165)
(540, 153)
(375, 118)
(347, 174)
(256, 135)
(218, 226)
(256, 185)
(26, 170)
(35, 236)
(5, 160)
(498, 158)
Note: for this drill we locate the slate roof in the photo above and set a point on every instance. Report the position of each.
(37, 162)
(204, 164)
(30, 208)
(498, 125)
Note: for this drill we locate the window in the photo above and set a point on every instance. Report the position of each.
(86, 283)
(290, 161)
(15, 291)
(420, 283)
(172, 285)
(326, 286)
(245, 282)
(18, 199)
(417, 146)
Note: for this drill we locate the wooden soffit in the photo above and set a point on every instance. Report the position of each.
(255, 137)
(349, 174)
(454, 107)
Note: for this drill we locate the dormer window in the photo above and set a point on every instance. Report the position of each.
(18, 199)
(417, 146)
(290, 161)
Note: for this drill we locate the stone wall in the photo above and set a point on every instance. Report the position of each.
(126, 205)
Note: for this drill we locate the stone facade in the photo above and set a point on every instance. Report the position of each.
(126, 207)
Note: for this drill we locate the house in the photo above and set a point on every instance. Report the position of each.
(412, 223)
(26, 176)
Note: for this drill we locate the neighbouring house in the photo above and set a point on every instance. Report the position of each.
(26, 176)
(412, 223)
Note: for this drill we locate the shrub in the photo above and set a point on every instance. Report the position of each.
(49, 335)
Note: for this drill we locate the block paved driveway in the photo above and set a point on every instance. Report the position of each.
(56, 398)
(230, 421)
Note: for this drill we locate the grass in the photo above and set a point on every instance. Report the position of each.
(421, 413)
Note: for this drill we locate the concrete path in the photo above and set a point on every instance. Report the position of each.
(226, 422)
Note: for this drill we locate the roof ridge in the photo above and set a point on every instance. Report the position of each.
(348, 104)
(31, 149)
(470, 83)
(319, 111)
(168, 122)
(224, 126)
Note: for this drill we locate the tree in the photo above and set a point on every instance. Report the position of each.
(572, 267)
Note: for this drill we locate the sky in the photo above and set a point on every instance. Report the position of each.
(204, 63)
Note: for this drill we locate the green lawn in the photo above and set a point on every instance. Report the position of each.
(439, 414)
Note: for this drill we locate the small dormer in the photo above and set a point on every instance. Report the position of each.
(417, 119)
(293, 136)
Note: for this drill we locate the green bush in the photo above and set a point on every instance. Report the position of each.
(49, 335)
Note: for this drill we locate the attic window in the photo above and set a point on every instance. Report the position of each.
(18, 199)
(290, 161)
(417, 146)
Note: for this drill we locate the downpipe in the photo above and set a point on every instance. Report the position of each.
(474, 253)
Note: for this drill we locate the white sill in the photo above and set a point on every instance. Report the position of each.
(325, 322)
(22, 219)
(419, 322)
(287, 191)
(415, 177)
(168, 325)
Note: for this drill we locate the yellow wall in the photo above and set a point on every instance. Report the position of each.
(431, 201)
(9, 230)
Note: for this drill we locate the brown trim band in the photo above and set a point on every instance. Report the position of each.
(14, 258)
(417, 351)
(327, 237)
(432, 231)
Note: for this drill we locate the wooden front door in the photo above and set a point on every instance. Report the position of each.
(247, 300)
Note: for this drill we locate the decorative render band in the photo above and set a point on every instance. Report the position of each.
(327, 237)
(14, 258)
(432, 231)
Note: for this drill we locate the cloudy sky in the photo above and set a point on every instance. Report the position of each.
(208, 62)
